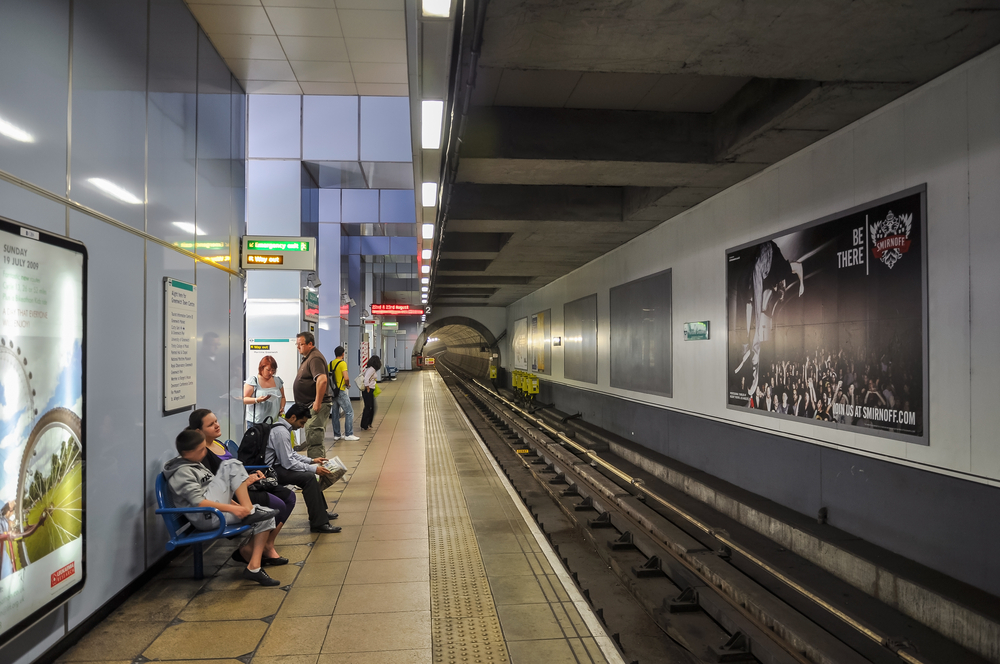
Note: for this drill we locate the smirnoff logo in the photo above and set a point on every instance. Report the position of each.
(891, 237)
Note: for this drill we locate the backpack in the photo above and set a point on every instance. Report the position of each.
(333, 377)
(254, 443)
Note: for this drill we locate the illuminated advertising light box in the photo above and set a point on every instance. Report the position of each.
(390, 325)
(277, 253)
(42, 411)
(395, 310)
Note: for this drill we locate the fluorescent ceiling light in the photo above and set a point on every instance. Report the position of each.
(114, 191)
(429, 194)
(188, 227)
(425, 269)
(425, 280)
(13, 131)
(431, 119)
(423, 300)
(424, 289)
(428, 231)
(425, 254)
(437, 8)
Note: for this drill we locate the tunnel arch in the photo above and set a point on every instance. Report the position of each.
(463, 341)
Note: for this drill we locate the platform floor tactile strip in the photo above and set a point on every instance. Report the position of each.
(465, 626)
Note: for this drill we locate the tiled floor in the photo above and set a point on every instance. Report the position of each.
(365, 594)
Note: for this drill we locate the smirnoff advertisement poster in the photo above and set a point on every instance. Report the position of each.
(828, 321)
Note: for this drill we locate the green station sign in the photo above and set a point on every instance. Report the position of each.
(276, 245)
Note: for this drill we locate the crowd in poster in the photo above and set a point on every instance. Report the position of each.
(827, 321)
(41, 423)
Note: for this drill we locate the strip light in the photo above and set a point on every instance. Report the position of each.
(425, 280)
(431, 120)
(428, 194)
(13, 131)
(424, 289)
(425, 269)
(437, 8)
(114, 191)
(428, 231)
(188, 227)
(425, 254)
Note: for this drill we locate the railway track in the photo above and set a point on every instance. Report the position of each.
(713, 595)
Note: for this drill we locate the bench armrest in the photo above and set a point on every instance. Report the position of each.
(187, 510)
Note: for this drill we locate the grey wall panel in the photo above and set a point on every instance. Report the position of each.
(580, 339)
(641, 331)
(214, 152)
(115, 491)
(931, 518)
(214, 375)
(34, 78)
(109, 108)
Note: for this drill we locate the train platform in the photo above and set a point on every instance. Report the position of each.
(438, 561)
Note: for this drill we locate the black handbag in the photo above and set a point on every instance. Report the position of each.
(269, 481)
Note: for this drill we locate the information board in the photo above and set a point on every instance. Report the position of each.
(180, 338)
(42, 415)
(519, 342)
(258, 252)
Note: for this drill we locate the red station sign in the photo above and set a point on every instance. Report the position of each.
(395, 310)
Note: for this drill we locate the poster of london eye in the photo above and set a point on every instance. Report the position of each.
(42, 378)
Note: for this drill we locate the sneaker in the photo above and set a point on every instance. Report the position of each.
(350, 438)
(260, 576)
(337, 437)
(259, 514)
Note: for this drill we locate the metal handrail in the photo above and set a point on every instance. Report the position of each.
(121, 225)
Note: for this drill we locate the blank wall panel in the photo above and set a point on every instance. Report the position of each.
(330, 128)
(580, 339)
(641, 358)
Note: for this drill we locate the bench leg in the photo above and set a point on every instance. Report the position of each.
(199, 566)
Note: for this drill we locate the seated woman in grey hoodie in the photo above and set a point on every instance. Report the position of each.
(193, 485)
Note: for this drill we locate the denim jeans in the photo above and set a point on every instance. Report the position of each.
(343, 402)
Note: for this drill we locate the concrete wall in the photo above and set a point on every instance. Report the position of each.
(945, 134)
(171, 132)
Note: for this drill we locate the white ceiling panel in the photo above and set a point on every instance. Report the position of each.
(305, 22)
(329, 49)
(397, 5)
(323, 72)
(384, 89)
(320, 4)
(232, 19)
(262, 70)
(373, 24)
(376, 50)
(313, 88)
(379, 72)
(249, 47)
(333, 47)
(272, 88)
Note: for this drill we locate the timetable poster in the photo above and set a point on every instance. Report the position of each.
(827, 321)
(41, 423)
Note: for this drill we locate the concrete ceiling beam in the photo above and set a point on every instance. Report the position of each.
(528, 203)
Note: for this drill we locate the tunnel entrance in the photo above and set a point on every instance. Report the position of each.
(460, 341)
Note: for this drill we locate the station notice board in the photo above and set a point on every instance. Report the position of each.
(42, 476)
(180, 338)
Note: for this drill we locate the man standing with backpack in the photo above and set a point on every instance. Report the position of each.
(341, 397)
(312, 389)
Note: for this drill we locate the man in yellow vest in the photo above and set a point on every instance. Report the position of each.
(341, 397)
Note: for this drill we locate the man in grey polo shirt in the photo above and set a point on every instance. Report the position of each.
(311, 389)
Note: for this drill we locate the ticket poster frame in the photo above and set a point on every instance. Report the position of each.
(25, 232)
(829, 238)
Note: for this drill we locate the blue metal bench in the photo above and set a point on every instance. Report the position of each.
(182, 533)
